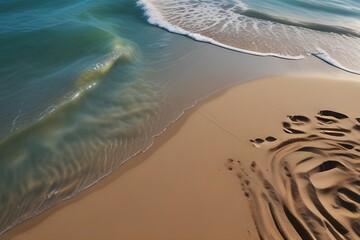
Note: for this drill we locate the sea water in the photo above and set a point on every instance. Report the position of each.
(292, 29)
(85, 85)
(72, 87)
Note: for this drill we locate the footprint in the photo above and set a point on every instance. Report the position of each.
(317, 166)
(259, 141)
(270, 139)
(239, 171)
(233, 165)
(288, 129)
(329, 113)
(323, 120)
(298, 119)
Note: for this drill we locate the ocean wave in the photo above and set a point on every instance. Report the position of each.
(238, 28)
(120, 51)
(156, 18)
(309, 25)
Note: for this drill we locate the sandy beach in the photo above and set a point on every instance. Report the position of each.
(180, 120)
(272, 158)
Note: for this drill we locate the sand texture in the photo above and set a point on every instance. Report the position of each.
(303, 180)
(275, 158)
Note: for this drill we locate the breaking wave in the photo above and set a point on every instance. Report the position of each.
(231, 24)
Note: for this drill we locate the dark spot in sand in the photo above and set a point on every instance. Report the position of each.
(299, 119)
(270, 139)
(347, 146)
(328, 165)
(287, 128)
(287, 172)
(357, 183)
(253, 164)
(326, 120)
(350, 194)
(356, 127)
(346, 204)
(334, 134)
(329, 113)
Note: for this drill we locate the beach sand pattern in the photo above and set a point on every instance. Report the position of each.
(314, 184)
(86, 86)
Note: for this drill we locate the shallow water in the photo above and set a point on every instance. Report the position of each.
(72, 88)
(329, 30)
(86, 85)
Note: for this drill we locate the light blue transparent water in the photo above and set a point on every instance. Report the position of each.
(73, 86)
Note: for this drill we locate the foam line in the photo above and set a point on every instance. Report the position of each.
(156, 17)
(325, 57)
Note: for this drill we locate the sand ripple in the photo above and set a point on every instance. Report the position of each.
(311, 187)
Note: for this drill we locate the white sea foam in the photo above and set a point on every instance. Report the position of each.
(222, 23)
(155, 17)
(323, 56)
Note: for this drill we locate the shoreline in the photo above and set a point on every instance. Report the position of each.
(156, 18)
(190, 66)
(30, 229)
(172, 129)
(160, 127)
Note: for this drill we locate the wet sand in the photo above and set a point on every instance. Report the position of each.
(272, 158)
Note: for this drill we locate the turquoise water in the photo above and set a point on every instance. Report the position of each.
(72, 87)
(44, 48)
(85, 85)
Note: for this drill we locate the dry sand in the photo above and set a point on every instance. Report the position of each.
(275, 158)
